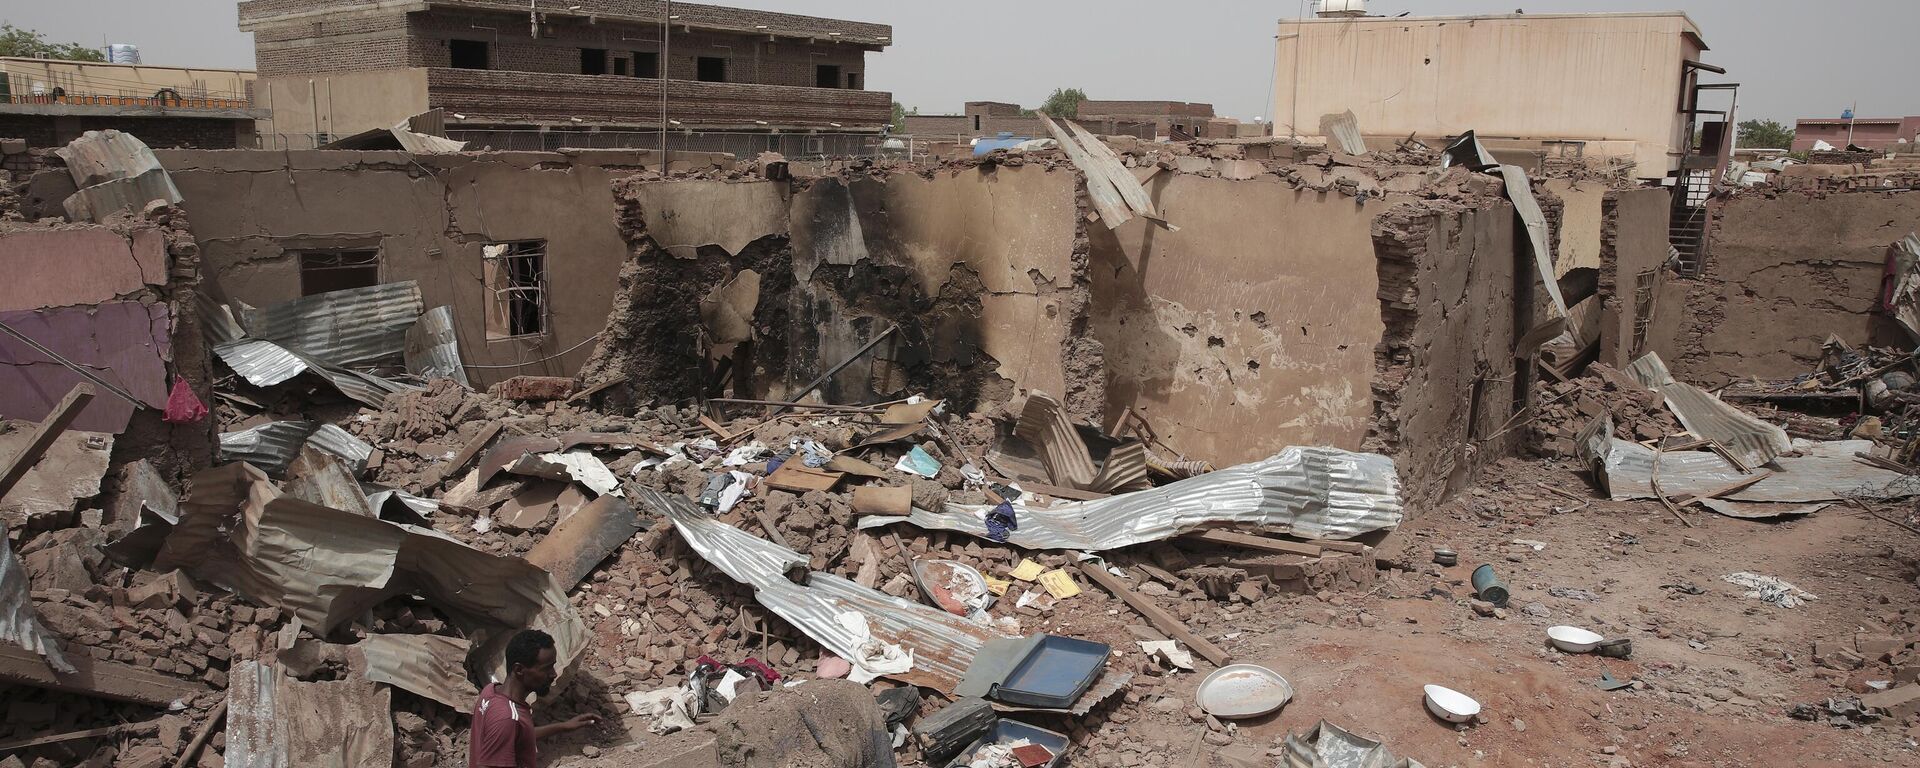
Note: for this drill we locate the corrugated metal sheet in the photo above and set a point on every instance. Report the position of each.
(1751, 440)
(943, 644)
(1044, 425)
(327, 566)
(1626, 471)
(275, 721)
(273, 445)
(433, 666)
(1520, 193)
(433, 348)
(1343, 132)
(102, 200)
(101, 156)
(1322, 493)
(341, 327)
(261, 363)
(19, 624)
(1113, 209)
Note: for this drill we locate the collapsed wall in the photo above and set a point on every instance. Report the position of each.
(1785, 271)
(270, 223)
(1300, 299)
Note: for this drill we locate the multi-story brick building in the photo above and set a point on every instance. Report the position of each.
(546, 74)
(1145, 119)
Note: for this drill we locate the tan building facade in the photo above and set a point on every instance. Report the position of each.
(49, 102)
(1612, 80)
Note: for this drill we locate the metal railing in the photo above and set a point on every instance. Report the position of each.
(742, 144)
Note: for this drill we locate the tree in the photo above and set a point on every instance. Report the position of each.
(1065, 102)
(15, 41)
(900, 115)
(1765, 134)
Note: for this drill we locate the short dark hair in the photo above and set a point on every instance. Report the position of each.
(524, 649)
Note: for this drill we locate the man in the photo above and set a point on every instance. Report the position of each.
(503, 731)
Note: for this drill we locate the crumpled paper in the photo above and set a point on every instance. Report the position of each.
(1770, 589)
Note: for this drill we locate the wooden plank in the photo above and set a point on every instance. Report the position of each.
(49, 430)
(1349, 547)
(1166, 622)
(1733, 487)
(91, 677)
(1262, 543)
(192, 754)
(709, 423)
(90, 733)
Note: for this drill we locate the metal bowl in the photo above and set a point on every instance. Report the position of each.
(1451, 705)
(1243, 690)
(1573, 639)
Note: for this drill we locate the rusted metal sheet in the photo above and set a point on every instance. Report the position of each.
(943, 645)
(433, 348)
(581, 541)
(433, 666)
(326, 566)
(275, 721)
(125, 343)
(1752, 441)
(19, 624)
(1323, 493)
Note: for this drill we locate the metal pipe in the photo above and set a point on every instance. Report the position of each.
(666, 73)
(836, 369)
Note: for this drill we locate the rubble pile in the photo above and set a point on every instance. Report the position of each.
(1566, 407)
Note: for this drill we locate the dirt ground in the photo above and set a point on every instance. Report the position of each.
(1717, 670)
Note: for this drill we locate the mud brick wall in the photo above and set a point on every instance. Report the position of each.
(1784, 272)
(1456, 291)
(1633, 242)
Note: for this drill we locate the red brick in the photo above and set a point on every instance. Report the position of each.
(536, 388)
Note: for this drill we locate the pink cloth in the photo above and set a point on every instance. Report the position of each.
(182, 406)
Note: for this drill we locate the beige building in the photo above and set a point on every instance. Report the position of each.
(1611, 83)
(49, 102)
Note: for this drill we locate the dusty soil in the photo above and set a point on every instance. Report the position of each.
(1717, 669)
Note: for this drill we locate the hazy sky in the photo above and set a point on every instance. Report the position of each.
(1217, 51)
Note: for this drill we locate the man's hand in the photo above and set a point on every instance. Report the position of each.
(581, 721)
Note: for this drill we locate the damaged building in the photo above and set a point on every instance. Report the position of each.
(1126, 452)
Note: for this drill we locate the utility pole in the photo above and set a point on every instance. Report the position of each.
(666, 73)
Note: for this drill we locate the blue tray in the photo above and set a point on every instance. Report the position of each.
(1055, 674)
(1004, 730)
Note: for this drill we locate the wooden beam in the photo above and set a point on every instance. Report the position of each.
(1733, 487)
(44, 435)
(1155, 615)
(104, 679)
(468, 451)
(90, 733)
(192, 755)
(1262, 543)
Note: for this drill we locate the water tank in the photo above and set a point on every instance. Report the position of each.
(122, 53)
(1328, 9)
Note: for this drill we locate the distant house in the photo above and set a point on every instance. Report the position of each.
(546, 74)
(50, 102)
(1867, 132)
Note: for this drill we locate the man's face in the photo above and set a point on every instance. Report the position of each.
(539, 677)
